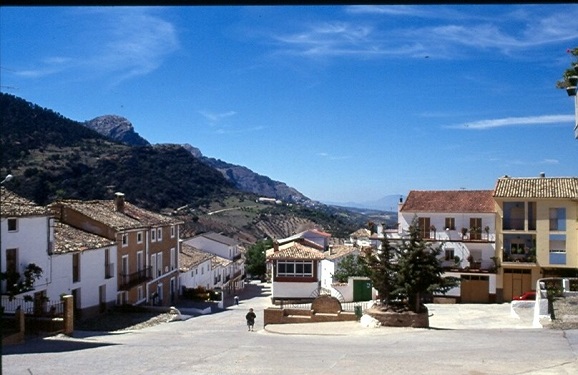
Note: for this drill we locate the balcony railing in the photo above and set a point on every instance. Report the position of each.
(519, 258)
(127, 281)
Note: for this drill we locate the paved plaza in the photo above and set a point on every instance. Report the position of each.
(463, 339)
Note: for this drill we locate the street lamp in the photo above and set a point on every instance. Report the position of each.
(6, 179)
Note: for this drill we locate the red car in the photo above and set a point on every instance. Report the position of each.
(528, 296)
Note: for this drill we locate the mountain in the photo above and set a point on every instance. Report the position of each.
(53, 157)
(120, 129)
(117, 128)
(388, 203)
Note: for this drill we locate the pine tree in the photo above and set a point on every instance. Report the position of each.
(381, 268)
(419, 270)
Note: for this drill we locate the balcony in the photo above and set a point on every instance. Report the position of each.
(127, 281)
(513, 224)
(527, 257)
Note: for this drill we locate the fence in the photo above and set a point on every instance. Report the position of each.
(345, 306)
(31, 307)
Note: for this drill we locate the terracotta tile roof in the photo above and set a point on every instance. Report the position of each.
(190, 257)
(340, 251)
(104, 211)
(295, 250)
(361, 232)
(449, 201)
(217, 261)
(537, 187)
(69, 239)
(13, 205)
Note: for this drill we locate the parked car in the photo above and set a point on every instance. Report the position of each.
(528, 296)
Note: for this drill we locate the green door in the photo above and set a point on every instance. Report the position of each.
(361, 290)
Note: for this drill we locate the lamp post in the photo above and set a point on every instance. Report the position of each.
(6, 179)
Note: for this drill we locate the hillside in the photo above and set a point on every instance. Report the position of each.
(53, 157)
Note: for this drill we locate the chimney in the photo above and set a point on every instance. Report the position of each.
(119, 202)
(542, 174)
(275, 246)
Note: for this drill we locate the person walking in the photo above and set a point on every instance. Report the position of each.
(250, 317)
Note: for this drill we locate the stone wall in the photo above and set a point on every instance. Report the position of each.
(323, 309)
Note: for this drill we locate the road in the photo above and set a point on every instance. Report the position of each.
(220, 344)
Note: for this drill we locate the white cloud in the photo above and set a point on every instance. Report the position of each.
(367, 33)
(514, 121)
(216, 117)
(121, 43)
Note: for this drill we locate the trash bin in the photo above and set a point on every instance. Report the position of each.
(358, 312)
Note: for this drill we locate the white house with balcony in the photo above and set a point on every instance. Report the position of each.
(463, 223)
(27, 238)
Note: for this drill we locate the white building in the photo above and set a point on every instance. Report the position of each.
(83, 265)
(27, 239)
(231, 278)
(463, 223)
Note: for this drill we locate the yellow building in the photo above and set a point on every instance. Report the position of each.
(536, 231)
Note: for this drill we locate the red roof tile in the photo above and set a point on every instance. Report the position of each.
(449, 201)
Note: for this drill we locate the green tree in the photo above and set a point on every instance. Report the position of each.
(350, 265)
(382, 268)
(419, 271)
(571, 71)
(255, 259)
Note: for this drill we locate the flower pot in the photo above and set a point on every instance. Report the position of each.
(571, 90)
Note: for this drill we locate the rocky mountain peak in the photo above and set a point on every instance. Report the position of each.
(117, 128)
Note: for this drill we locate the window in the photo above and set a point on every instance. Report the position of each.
(153, 235)
(124, 240)
(159, 234)
(424, 227)
(139, 261)
(449, 254)
(140, 293)
(475, 228)
(159, 264)
(75, 267)
(154, 264)
(558, 219)
(139, 237)
(173, 259)
(173, 231)
(295, 268)
(12, 225)
(450, 223)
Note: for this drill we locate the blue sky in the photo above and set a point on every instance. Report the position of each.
(344, 103)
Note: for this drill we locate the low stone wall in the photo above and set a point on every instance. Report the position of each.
(395, 319)
(323, 309)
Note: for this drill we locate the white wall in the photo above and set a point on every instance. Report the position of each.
(92, 276)
(32, 239)
(199, 275)
(293, 290)
(213, 247)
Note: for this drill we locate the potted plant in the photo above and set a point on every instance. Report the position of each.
(464, 232)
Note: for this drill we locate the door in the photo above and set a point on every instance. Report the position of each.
(475, 289)
(516, 282)
(361, 290)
